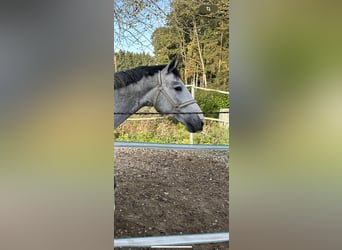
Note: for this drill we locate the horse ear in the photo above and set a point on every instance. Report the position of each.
(172, 65)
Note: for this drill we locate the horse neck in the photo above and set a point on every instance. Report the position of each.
(130, 99)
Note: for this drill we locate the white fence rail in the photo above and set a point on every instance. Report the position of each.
(173, 240)
(206, 89)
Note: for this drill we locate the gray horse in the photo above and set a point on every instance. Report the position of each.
(158, 86)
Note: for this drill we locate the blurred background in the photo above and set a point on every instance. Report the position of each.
(56, 129)
(285, 124)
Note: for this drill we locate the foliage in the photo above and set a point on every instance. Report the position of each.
(165, 131)
(127, 60)
(200, 40)
(165, 43)
(211, 102)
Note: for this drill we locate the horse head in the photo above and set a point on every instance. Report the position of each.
(173, 98)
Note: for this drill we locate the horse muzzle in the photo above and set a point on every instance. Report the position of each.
(194, 125)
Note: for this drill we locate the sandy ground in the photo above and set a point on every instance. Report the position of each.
(170, 192)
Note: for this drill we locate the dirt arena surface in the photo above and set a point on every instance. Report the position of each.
(171, 192)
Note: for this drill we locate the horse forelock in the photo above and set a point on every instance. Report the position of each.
(127, 77)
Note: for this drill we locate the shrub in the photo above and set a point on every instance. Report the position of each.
(211, 101)
(165, 131)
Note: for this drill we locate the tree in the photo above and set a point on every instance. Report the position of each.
(134, 19)
(165, 43)
(127, 60)
(200, 40)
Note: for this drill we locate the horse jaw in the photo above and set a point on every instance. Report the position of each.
(192, 122)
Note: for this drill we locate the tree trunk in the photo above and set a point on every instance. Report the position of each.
(221, 45)
(204, 76)
(115, 64)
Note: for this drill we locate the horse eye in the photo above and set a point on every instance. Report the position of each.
(178, 88)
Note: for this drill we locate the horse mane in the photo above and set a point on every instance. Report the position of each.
(124, 78)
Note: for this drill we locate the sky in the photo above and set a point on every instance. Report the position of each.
(138, 38)
(133, 46)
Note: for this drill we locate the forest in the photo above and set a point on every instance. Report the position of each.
(197, 34)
